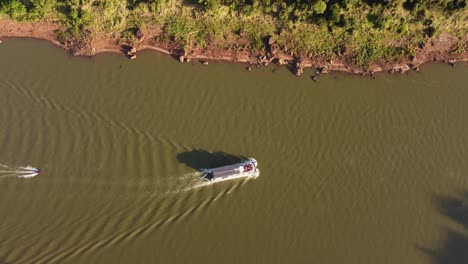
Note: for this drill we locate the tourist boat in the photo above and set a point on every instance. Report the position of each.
(245, 169)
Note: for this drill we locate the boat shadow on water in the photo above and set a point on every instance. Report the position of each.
(454, 249)
(199, 159)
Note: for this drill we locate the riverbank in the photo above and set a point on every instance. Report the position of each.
(442, 48)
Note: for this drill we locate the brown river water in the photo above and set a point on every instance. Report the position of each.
(353, 170)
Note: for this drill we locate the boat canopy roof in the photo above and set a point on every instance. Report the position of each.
(229, 170)
(225, 171)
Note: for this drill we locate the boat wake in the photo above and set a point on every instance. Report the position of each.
(18, 172)
(190, 182)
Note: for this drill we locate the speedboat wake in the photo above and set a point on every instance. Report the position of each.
(18, 172)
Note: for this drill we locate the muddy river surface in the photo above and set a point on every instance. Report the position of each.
(353, 170)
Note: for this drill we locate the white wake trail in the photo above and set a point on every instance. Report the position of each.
(8, 175)
(188, 182)
(28, 168)
(30, 175)
(18, 172)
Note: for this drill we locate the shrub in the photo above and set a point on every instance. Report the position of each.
(403, 28)
(129, 34)
(333, 15)
(210, 4)
(186, 31)
(369, 52)
(432, 31)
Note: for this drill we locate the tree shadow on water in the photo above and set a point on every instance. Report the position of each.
(201, 159)
(454, 250)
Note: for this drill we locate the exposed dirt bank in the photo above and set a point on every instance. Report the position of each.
(442, 48)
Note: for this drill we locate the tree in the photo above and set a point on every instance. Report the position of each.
(41, 8)
(333, 15)
(15, 9)
(320, 7)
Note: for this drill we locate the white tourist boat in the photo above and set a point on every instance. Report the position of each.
(245, 169)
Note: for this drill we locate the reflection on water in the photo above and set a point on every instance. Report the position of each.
(454, 247)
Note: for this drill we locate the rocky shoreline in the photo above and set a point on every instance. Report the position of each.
(439, 49)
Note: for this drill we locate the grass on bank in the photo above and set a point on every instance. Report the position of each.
(366, 31)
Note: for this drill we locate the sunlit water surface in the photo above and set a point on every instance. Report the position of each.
(353, 170)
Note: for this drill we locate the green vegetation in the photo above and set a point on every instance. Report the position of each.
(15, 9)
(366, 31)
